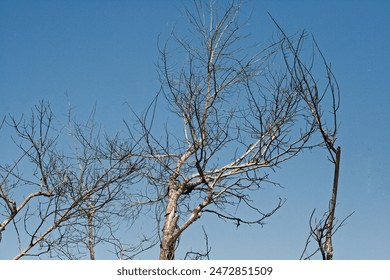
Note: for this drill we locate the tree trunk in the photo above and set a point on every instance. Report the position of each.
(169, 232)
(332, 208)
(90, 237)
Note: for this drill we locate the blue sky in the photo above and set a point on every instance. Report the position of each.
(104, 53)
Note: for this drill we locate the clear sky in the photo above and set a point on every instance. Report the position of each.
(104, 53)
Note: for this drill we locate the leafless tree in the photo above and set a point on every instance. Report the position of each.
(57, 197)
(317, 94)
(241, 115)
(97, 159)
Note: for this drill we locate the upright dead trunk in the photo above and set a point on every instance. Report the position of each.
(332, 208)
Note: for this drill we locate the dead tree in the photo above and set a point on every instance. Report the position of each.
(56, 198)
(315, 94)
(109, 165)
(240, 118)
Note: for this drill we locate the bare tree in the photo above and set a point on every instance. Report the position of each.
(58, 199)
(326, 227)
(35, 143)
(241, 114)
(94, 160)
(315, 94)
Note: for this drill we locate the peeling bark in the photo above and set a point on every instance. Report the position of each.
(169, 236)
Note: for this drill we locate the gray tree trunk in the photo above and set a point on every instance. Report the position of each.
(169, 231)
(332, 208)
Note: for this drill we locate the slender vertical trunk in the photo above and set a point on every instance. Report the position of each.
(90, 235)
(169, 231)
(332, 208)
